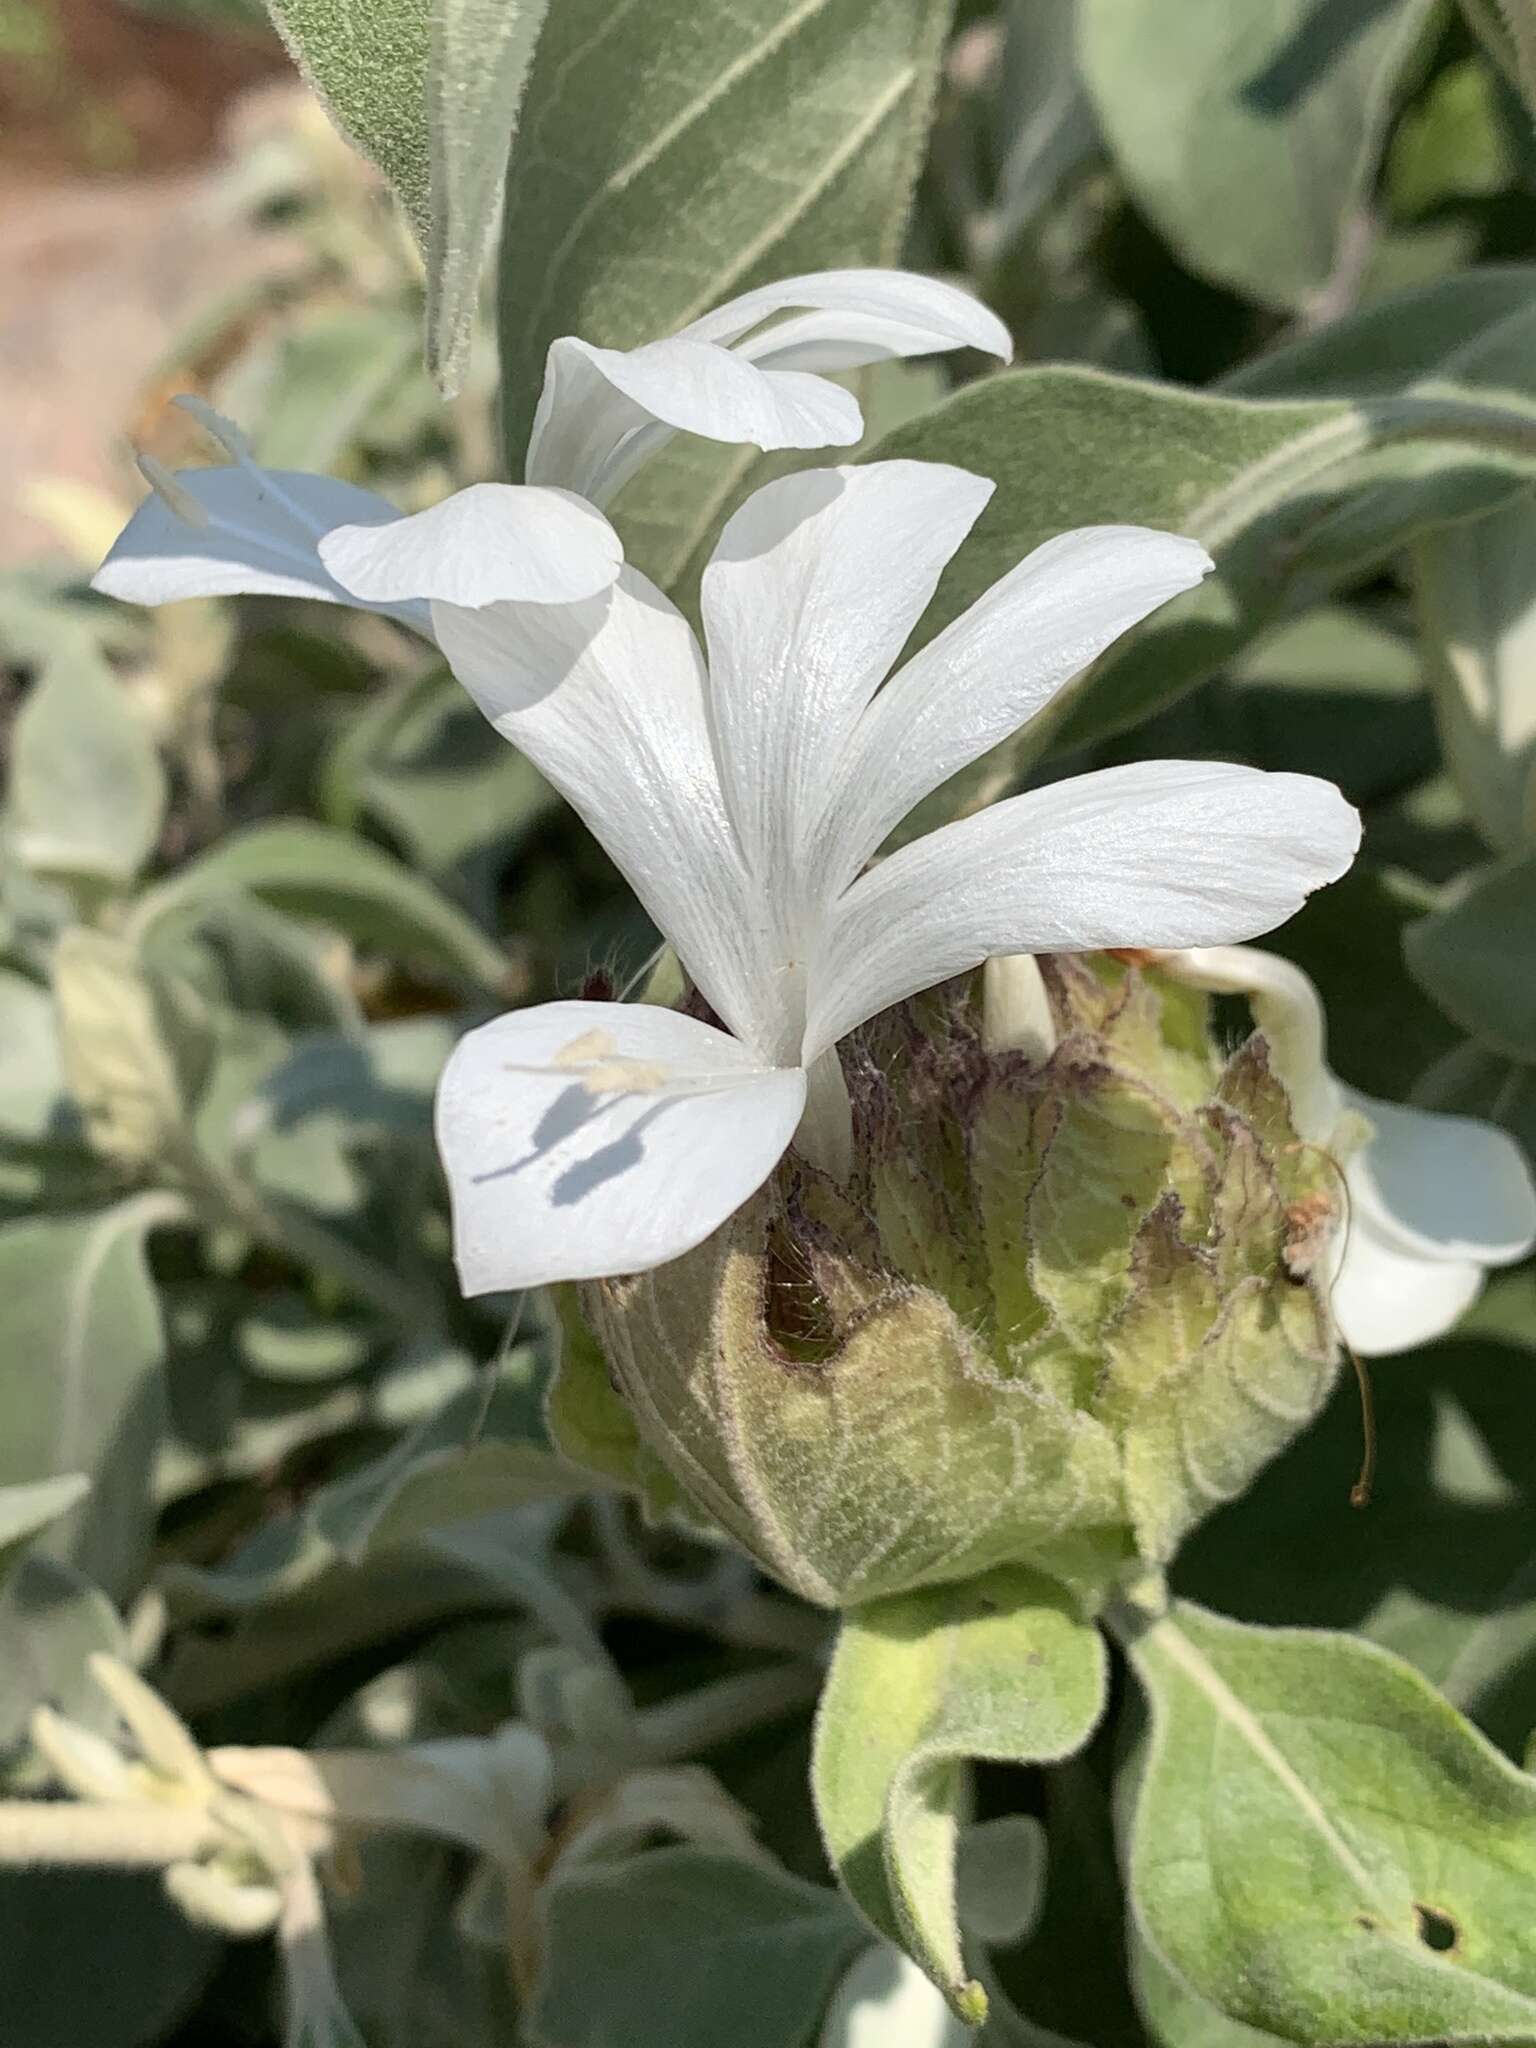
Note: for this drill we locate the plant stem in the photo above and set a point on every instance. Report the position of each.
(45, 1831)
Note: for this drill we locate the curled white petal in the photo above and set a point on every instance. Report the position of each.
(603, 411)
(1385, 1300)
(489, 544)
(1432, 1200)
(1448, 1187)
(1289, 1011)
(585, 1140)
(934, 316)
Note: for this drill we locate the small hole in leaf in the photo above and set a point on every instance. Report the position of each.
(1437, 1931)
(1365, 1923)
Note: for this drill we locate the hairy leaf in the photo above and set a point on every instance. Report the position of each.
(81, 1345)
(671, 156)
(922, 1683)
(336, 878)
(1251, 133)
(680, 1948)
(87, 790)
(1322, 1847)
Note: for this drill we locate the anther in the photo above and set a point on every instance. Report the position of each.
(173, 494)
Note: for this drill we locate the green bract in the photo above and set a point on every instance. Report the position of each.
(1066, 1308)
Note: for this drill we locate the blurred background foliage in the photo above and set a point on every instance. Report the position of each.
(261, 863)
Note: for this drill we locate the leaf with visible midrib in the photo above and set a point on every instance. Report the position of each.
(81, 1346)
(1250, 132)
(671, 155)
(999, 1668)
(1322, 1847)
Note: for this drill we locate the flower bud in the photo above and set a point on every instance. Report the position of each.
(1069, 1302)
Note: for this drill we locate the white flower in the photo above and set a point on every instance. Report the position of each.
(214, 532)
(1431, 1201)
(743, 799)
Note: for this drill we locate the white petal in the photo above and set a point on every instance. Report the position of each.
(551, 1181)
(935, 316)
(489, 544)
(987, 674)
(808, 599)
(1441, 1187)
(259, 532)
(606, 697)
(1158, 853)
(885, 2001)
(578, 436)
(1287, 1008)
(1385, 1300)
(836, 341)
(581, 420)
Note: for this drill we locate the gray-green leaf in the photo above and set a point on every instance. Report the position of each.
(1000, 1668)
(480, 56)
(1477, 959)
(1251, 133)
(1322, 1847)
(1476, 590)
(87, 788)
(671, 155)
(680, 1948)
(81, 1346)
(429, 91)
(312, 871)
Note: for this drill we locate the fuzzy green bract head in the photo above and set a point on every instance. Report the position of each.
(1064, 1310)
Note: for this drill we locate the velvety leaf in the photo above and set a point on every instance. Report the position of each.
(1476, 594)
(1322, 1848)
(312, 871)
(1290, 499)
(1451, 144)
(481, 51)
(325, 379)
(52, 1620)
(34, 1104)
(87, 790)
(433, 1479)
(1337, 693)
(29, 1508)
(679, 1948)
(627, 211)
(1177, 2017)
(922, 1684)
(118, 1046)
(368, 66)
(81, 1346)
(1250, 134)
(1477, 959)
(1441, 1568)
(1442, 328)
(422, 762)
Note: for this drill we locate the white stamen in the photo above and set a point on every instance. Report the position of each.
(171, 493)
(237, 447)
(230, 438)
